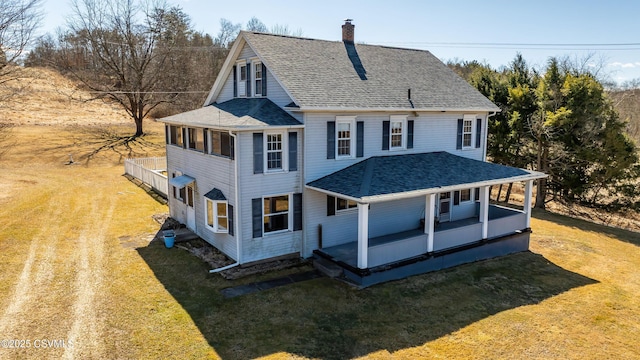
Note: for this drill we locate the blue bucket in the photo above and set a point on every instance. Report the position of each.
(169, 238)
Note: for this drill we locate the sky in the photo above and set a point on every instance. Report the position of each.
(490, 31)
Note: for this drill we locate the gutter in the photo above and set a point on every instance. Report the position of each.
(486, 136)
(235, 208)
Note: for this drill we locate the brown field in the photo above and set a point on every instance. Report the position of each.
(77, 264)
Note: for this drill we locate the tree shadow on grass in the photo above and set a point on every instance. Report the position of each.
(324, 318)
(616, 233)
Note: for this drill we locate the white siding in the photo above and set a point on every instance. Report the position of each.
(432, 132)
(259, 185)
(210, 172)
(275, 92)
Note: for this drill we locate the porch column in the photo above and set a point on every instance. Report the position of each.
(429, 216)
(528, 193)
(484, 211)
(363, 235)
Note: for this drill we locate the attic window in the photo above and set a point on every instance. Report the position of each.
(242, 78)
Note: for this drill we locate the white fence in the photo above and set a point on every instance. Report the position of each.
(151, 171)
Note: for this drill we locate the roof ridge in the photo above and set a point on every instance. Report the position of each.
(367, 176)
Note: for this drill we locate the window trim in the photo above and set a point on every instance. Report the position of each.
(471, 198)
(242, 83)
(175, 138)
(289, 213)
(348, 209)
(402, 119)
(214, 203)
(256, 64)
(189, 141)
(468, 119)
(284, 150)
(351, 120)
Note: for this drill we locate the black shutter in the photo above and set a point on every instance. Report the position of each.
(297, 211)
(205, 141)
(232, 147)
(184, 138)
(293, 151)
(256, 216)
(230, 217)
(360, 139)
(331, 205)
(235, 81)
(264, 80)
(385, 134)
(456, 198)
(249, 79)
(459, 138)
(258, 156)
(478, 132)
(166, 133)
(331, 139)
(477, 194)
(410, 134)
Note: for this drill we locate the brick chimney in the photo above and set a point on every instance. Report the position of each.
(347, 31)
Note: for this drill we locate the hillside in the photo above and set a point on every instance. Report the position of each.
(44, 97)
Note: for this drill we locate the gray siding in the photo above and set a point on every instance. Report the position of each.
(432, 132)
(259, 185)
(210, 172)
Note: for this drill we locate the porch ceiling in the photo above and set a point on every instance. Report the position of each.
(383, 178)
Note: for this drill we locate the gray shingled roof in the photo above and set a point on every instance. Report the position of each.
(216, 195)
(332, 74)
(236, 113)
(384, 175)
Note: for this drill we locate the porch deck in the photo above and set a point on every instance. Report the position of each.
(407, 244)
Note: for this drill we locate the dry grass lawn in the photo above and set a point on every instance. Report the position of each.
(77, 263)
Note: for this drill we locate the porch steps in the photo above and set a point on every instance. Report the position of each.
(327, 267)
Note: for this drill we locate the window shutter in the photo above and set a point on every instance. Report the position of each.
(478, 132)
(456, 198)
(173, 187)
(205, 141)
(410, 134)
(297, 211)
(230, 218)
(385, 134)
(360, 139)
(293, 151)
(331, 205)
(331, 139)
(232, 147)
(184, 138)
(235, 81)
(256, 215)
(166, 133)
(249, 80)
(459, 138)
(258, 157)
(264, 80)
(477, 194)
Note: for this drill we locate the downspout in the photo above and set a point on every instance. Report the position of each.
(235, 208)
(486, 137)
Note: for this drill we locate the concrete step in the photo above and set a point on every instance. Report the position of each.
(327, 267)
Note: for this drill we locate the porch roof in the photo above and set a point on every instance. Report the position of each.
(383, 178)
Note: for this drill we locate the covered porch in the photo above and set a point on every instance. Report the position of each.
(435, 178)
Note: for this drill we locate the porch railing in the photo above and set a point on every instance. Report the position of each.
(151, 171)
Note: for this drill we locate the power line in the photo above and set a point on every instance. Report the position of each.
(529, 46)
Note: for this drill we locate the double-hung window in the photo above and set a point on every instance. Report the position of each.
(467, 132)
(221, 143)
(195, 139)
(345, 136)
(397, 132)
(217, 216)
(242, 78)
(275, 213)
(274, 151)
(344, 204)
(175, 135)
(257, 78)
(465, 195)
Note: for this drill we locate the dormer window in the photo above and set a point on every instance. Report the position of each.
(242, 78)
(257, 78)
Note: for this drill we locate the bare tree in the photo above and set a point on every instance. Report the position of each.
(18, 21)
(227, 34)
(126, 51)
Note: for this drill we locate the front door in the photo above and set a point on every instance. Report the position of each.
(444, 213)
(191, 211)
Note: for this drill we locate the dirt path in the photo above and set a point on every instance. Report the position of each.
(58, 291)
